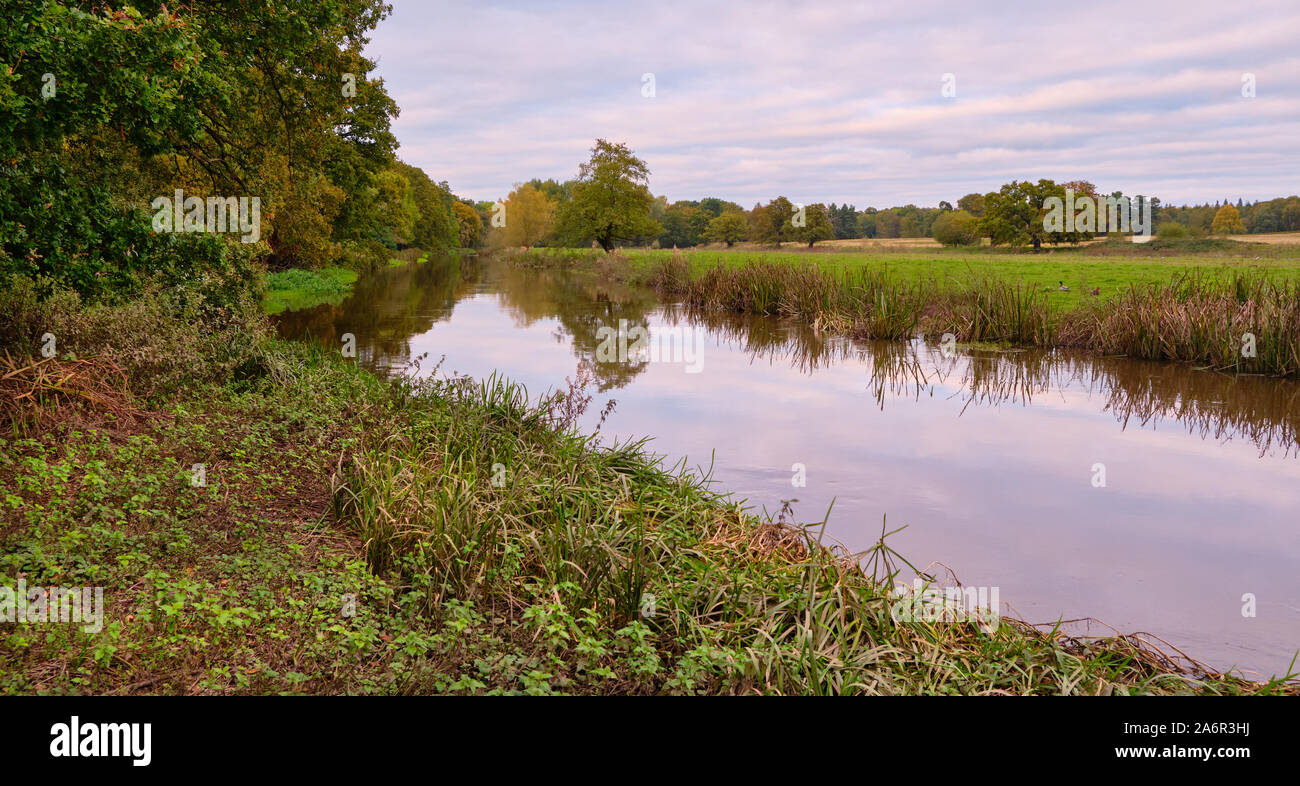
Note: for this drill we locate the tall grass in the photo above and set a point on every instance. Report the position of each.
(1195, 319)
(478, 496)
(867, 303)
(1198, 320)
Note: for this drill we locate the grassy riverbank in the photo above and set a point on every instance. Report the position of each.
(1109, 267)
(355, 535)
(1209, 310)
(297, 288)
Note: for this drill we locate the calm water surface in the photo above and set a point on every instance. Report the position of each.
(988, 459)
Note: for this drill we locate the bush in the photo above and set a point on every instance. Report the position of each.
(163, 344)
(197, 319)
(29, 308)
(956, 228)
(365, 256)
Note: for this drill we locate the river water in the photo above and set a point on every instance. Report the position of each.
(1149, 497)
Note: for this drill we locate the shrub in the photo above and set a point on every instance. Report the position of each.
(956, 228)
(29, 308)
(1172, 229)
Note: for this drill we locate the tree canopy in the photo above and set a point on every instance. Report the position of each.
(610, 199)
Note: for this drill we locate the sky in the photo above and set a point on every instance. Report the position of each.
(844, 102)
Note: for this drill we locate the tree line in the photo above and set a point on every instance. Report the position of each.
(1013, 215)
(102, 111)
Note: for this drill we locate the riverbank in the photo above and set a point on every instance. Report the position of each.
(1208, 310)
(346, 534)
(298, 288)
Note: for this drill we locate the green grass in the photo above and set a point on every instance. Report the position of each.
(362, 536)
(1110, 268)
(296, 288)
(1196, 308)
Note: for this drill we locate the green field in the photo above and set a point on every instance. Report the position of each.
(1109, 267)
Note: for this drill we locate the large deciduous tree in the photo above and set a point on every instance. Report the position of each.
(1227, 221)
(729, 228)
(1014, 214)
(815, 225)
(610, 201)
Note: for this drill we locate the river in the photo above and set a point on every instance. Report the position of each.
(1146, 497)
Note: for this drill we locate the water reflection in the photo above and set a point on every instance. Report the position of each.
(387, 309)
(985, 456)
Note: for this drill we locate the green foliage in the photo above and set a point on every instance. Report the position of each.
(214, 99)
(816, 225)
(610, 201)
(296, 288)
(957, 228)
(684, 225)
(1014, 214)
(434, 221)
(469, 227)
(127, 76)
(1171, 230)
(730, 228)
(845, 221)
(972, 203)
(716, 207)
(771, 223)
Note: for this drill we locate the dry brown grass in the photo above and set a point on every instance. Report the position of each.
(37, 394)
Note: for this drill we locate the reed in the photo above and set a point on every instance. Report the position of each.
(479, 497)
(1241, 324)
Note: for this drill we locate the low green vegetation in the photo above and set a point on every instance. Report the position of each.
(296, 288)
(1106, 267)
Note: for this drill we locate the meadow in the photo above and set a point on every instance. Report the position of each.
(1108, 266)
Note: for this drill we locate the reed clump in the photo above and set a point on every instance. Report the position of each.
(617, 566)
(1243, 324)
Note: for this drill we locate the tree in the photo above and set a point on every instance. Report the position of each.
(395, 201)
(1291, 215)
(845, 220)
(816, 226)
(1227, 221)
(1014, 214)
(683, 225)
(729, 228)
(435, 226)
(972, 203)
(716, 207)
(771, 223)
(888, 224)
(610, 201)
(957, 228)
(555, 191)
(528, 217)
(867, 222)
(469, 225)
(221, 100)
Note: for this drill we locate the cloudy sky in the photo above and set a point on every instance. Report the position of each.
(844, 102)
